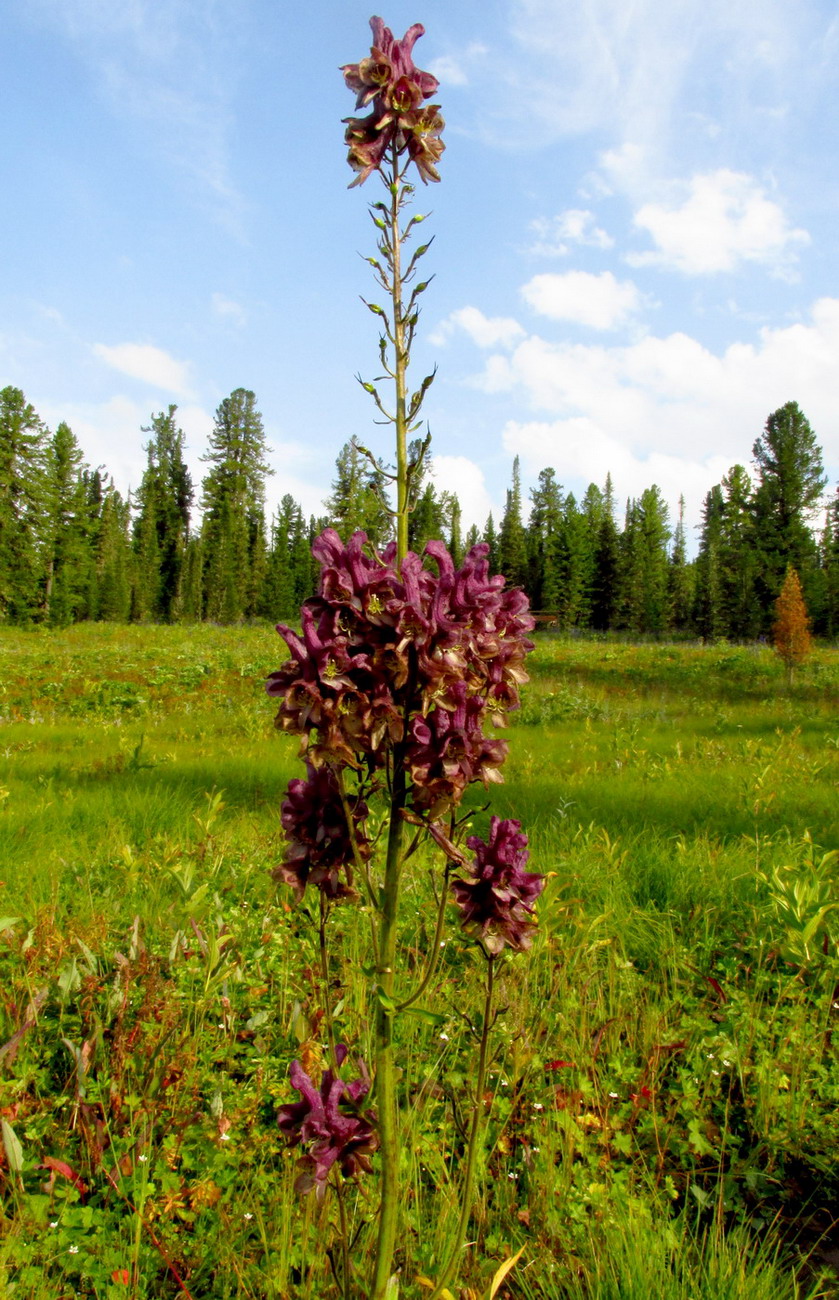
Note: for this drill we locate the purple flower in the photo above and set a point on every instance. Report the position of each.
(394, 87)
(391, 656)
(319, 850)
(330, 1122)
(496, 902)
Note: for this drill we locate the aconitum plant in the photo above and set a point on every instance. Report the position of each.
(403, 668)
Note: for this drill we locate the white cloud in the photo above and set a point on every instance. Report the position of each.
(725, 219)
(229, 310)
(462, 475)
(572, 227)
(453, 70)
(149, 364)
(599, 301)
(581, 451)
(484, 331)
(664, 407)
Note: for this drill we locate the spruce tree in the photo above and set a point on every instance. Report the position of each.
(829, 566)
(606, 569)
(680, 577)
(23, 509)
(161, 526)
(543, 531)
(790, 483)
(738, 558)
(512, 543)
(233, 502)
(69, 553)
(359, 499)
(709, 613)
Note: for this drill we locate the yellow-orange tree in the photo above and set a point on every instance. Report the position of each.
(791, 629)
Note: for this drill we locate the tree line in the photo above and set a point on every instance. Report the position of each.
(73, 548)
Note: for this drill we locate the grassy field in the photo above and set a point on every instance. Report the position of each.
(665, 1093)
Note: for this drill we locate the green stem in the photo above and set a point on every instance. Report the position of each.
(472, 1149)
(324, 975)
(385, 1064)
(431, 963)
(345, 1240)
(400, 363)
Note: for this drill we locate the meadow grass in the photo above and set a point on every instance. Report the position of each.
(665, 1090)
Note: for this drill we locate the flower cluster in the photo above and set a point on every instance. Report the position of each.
(319, 847)
(496, 902)
(330, 1123)
(404, 661)
(390, 83)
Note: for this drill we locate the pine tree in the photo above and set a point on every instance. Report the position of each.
(425, 520)
(490, 539)
(543, 531)
(738, 558)
(512, 544)
(69, 554)
(23, 508)
(829, 565)
(113, 558)
(791, 628)
(606, 569)
(233, 501)
(644, 564)
(680, 577)
(359, 499)
(709, 614)
(161, 526)
(790, 483)
(573, 567)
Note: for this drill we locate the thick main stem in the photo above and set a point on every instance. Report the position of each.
(385, 1064)
(472, 1149)
(400, 364)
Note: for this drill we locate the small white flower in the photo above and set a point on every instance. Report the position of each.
(54, 1223)
(726, 1064)
(225, 1137)
(74, 1250)
(710, 1056)
(248, 1216)
(504, 1083)
(614, 1095)
(537, 1105)
(143, 1159)
(512, 1175)
(716, 1072)
(444, 1038)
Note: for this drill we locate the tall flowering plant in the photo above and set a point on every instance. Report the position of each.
(403, 668)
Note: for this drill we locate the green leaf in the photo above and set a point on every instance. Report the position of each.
(430, 1017)
(6, 922)
(12, 1147)
(385, 1000)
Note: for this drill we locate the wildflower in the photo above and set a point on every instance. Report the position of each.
(225, 1137)
(614, 1095)
(74, 1250)
(393, 87)
(53, 1223)
(331, 1124)
(248, 1216)
(496, 903)
(319, 849)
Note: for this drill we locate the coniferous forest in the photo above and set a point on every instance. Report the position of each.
(72, 548)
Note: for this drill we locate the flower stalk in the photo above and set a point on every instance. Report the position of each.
(401, 663)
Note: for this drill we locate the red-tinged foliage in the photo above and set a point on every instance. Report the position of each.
(791, 629)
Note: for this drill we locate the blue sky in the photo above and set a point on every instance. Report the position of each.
(636, 249)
